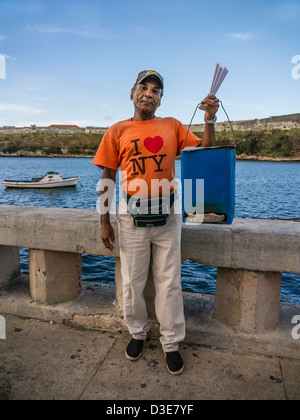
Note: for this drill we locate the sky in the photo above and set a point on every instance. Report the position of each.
(75, 62)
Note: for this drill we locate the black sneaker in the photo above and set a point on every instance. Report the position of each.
(134, 349)
(174, 362)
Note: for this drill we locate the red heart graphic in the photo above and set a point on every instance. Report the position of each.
(153, 144)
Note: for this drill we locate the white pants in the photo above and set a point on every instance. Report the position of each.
(160, 248)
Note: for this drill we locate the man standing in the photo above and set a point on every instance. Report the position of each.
(145, 148)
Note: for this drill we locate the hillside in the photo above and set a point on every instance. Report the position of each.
(271, 144)
(49, 144)
(262, 144)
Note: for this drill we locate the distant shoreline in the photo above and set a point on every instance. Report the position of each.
(238, 157)
(275, 145)
(267, 158)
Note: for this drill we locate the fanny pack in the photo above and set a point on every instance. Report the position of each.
(150, 212)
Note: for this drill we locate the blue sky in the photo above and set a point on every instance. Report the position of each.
(74, 62)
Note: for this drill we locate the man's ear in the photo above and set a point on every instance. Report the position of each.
(131, 94)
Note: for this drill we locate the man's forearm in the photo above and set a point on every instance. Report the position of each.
(105, 218)
(107, 187)
(209, 138)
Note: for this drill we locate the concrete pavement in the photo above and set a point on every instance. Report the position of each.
(43, 361)
(44, 358)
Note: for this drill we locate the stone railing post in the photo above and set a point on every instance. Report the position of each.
(9, 264)
(248, 301)
(54, 276)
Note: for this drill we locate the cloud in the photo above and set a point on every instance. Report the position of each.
(46, 123)
(33, 88)
(83, 32)
(2, 38)
(49, 29)
(20, 108)
(242, 36)
(91, 33)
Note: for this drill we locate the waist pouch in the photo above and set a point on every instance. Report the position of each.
(150, 212)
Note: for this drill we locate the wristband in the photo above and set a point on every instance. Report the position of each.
(211, 121)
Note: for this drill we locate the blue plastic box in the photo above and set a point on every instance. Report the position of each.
(216, 166)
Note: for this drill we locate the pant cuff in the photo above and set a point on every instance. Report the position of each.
(170, 347)
(142, 336)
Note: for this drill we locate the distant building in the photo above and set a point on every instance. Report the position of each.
(63, 126)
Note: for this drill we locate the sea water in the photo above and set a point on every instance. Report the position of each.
(263, 189)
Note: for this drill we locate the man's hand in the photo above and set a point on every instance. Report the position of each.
(107, 234)
(210, 106)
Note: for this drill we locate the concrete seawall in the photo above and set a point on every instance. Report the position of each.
(240, 344)
(251, 256)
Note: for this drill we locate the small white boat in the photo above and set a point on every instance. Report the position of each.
(50, 180)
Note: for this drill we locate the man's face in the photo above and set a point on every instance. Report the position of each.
(146, 97)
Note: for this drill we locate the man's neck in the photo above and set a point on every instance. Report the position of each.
(142, 117)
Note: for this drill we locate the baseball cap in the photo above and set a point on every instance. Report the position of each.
(150, 73)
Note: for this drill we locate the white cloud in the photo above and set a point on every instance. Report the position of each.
(91, 34)
(84, 31)
(242, 36)
(46, 29)
(20, 108)
(46, 123)
(32, 88)
(2, 38)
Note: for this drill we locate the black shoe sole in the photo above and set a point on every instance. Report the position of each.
(176, 372)
(132, 359)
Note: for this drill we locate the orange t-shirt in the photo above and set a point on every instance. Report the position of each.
(145, 150)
